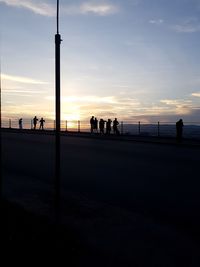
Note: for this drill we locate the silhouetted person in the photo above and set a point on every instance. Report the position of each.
(96, 125)
(179, 130)
(20, 123)
(92, 124)
(35, 119)
(115, 126)
(108, 126)
(42, 123)
(101, 126)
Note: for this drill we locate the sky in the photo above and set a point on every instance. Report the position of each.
(130, 59)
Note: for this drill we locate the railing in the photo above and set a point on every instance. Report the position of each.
(159, 129)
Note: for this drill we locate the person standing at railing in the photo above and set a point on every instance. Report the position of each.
(92, 124)
(115, 126)
(42, 123)
(20, 124)
(101, 126)
(35, 119)
(96, 125)
(179, 130)
(108, 126)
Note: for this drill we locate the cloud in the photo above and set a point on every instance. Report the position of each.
(21, 92)
(178, 106)
(86, 99)
(40, 8)
(14, 110)
(197, 94)
(167, 118)
(175, 102)
(101, 106)
(123, 107)
(106, 100)
(156, 21)
(20, 79)
(98, 9)
(46, 9)
(189, 25)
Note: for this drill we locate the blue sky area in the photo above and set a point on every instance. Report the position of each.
(130, 59)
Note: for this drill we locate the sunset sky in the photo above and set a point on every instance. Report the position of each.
(130, 59)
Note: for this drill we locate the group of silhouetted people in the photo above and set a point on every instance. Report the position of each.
(41, 121)
(34, 121)
(104, 127)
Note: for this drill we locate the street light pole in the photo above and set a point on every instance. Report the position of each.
(57, 109)
(0, 139)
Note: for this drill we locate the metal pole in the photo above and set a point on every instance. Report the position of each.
(66, 126)
(0, 139)
(122, 128)
(139, 127)
(79, 126)
(57, 109)
(158, 128)
(57, 17)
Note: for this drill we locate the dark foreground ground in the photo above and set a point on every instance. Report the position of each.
(123, 203)
(32, 236)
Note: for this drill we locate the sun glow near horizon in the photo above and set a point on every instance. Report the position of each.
(75, 108)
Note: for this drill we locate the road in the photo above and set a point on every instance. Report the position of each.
(161, 180)
(135, 203)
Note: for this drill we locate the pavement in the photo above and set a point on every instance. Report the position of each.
(96, 230)
(168, 140)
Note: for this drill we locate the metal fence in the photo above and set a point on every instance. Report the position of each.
(160, 129)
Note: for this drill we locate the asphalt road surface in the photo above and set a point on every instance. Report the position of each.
(159, 180)
(136, 203)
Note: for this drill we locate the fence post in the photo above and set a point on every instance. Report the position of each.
(66, 126)
(122, 128)
(139, 127)
(9, 123)
(79, 128)
(31, 124)
(158, 128)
